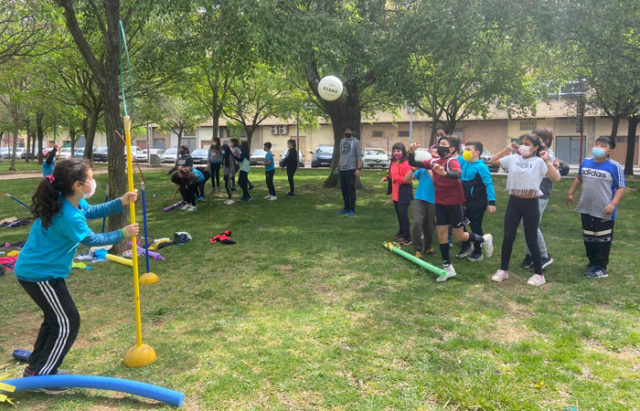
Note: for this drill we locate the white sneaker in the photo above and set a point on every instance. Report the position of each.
(185, 206)
(192, 208)
(451, 272)
(267, 197)
(271, 198)
(500, 276)
(487, 245)
(229, 202)
(536, 280)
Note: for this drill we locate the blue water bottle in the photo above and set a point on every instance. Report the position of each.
(21, 355)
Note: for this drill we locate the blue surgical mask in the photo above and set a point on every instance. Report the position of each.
(598, 152)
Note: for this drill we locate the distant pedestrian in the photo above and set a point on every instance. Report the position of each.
(269, 171)
(349, 166)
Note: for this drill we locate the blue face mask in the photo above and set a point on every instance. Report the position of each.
(598, 152)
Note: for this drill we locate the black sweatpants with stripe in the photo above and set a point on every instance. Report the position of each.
(60, 327)
(598, 235)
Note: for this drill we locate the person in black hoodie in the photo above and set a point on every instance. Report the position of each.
(291, 163)
(50, 162)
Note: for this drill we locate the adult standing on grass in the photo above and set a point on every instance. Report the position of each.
(215, 161)
(291, 163)
(526, 170)
(546, 186)
(44, 263)
(603, 185)
(349, 167)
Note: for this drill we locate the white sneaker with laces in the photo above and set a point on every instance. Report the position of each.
(192, 208)
(487, 245)
(500, 276)
(451, 272)
(536, 280)
(271, 198)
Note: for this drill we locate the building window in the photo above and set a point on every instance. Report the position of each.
(528, 124)
(378, 133)
(403, 133)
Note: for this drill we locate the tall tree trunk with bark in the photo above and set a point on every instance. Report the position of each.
(631, 145)
(40, 133)
(89, 124)
(27, 125)
(614, 126)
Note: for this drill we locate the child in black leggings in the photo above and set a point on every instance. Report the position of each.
(526, 170)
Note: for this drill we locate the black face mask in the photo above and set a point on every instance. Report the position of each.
(347, 135)
(443, 151)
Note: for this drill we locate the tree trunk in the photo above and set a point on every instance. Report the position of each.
(16, 126)
(27, 153)
(72, 137)
(249, 131)
(90, 132)
(40, 133)
(631, 145)
(614, 126)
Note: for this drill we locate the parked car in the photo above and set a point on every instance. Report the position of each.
(375, 157)
(486, 157)
(100, 153)
(4, 152)
(200, 156)
(300, 158)
(65, 153)
(257, 157)
(78, 152)
(144, 156)
(169, 156)
(322, 156)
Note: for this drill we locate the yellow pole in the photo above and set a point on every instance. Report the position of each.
(141, 354)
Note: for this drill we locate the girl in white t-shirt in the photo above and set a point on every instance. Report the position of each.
(525, 172)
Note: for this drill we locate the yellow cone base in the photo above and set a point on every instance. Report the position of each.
(139, 356)
(148, 278)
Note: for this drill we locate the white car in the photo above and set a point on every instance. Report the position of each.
(300, 158)
(169, 156)
(65, 153)
(375, 157)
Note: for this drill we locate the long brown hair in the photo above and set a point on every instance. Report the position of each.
(47, 199)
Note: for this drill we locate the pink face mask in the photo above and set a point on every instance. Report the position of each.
(524, 150)
(397, 156)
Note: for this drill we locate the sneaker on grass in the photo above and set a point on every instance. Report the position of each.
(451, 272)
(487, 245)
(418, 254)
(547, 261)
(271, 198)
(500, 276)
(406, 241)
(467, 250)
(267, 196)
(343, 211)
(596, 272)
(476, 257)
(229, 202)
(536, 280)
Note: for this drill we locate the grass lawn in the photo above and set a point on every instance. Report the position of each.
(308, 311)
(32, 166)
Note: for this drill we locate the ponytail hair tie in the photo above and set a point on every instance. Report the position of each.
(51, 178)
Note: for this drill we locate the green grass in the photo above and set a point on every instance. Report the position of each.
(308, 311)
(22, 166)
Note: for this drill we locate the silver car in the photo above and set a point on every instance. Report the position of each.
(375, 157)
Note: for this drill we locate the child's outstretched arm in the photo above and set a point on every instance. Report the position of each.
(92, 239)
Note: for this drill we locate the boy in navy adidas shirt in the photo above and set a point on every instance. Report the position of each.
(603, 187)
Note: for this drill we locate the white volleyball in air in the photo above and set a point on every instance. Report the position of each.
(330, 88)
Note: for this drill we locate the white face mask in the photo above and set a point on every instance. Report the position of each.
(524, 150)
(93, 186)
